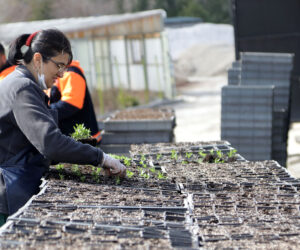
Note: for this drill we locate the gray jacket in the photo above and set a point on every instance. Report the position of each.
(25, 119)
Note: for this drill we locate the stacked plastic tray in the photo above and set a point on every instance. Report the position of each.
(247, 120)
(234, 74)
(119, 134)
(264, 69)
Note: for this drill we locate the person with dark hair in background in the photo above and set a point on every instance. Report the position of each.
(71, 98)
(29, 135)
(5, 67)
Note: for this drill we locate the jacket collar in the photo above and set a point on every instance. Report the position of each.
(25, 72)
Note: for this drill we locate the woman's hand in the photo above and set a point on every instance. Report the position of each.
(113, 166)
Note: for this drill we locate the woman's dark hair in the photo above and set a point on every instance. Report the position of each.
(2, 51)
(49, 43)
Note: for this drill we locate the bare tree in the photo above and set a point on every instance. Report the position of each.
(14, 11)
(75, 8)
(26, 10)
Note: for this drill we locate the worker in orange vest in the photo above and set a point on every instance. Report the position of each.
(71, 98)
(5, 67)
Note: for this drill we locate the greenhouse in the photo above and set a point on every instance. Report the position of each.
(127, 53)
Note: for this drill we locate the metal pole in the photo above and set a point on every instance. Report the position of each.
(235, 25)
(144, 61)
(110, 63)
(98, 81)
(127, 63)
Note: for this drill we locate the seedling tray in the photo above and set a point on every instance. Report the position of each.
(196, 205)
(139, 125)
(140, 120)
(137, 137)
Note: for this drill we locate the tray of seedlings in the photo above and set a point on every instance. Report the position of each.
(88, 215)
(213, 152)
(176, 200)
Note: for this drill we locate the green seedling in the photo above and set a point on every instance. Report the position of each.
(152, 169)
(118, 157)
(158, 156)
(188, 155)
(96, 174)
(202, 154)
(129, 173)
(82, 178)
(218, 160)
(143, 158)
(59, 167)
(184, 162)
(76, 170)
(219, 153)
(144, 174)
(127, 161)
(200, 160)
(143, 164)
(118, 180)
(161, 176)
(231, 153)
(61, 177)
(80, 132)
(174, 155)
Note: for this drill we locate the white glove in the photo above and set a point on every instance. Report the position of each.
(114, 166)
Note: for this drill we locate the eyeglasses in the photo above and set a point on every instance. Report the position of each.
(61, 66)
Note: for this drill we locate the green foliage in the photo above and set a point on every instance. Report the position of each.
(231, 153)
(161, 176)
(158, 156)
(140, 5)
(143, 158)
(96, 174)
(174, 155)
(82, 178)
(219, 153)
(152, 169)
(194, 9)
(144, 174)
(118, 180)
(202, 154)
(200, 160)
(41, 9)
(129, 173)
(76, 170)
(219, 160)
(59, 167)
(120, 6)
(188, 155)
(127, 161)
(118, 157)
(214, 11)
(80, 132)
(126, 100)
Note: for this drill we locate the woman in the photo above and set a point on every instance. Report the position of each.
(29, 136)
